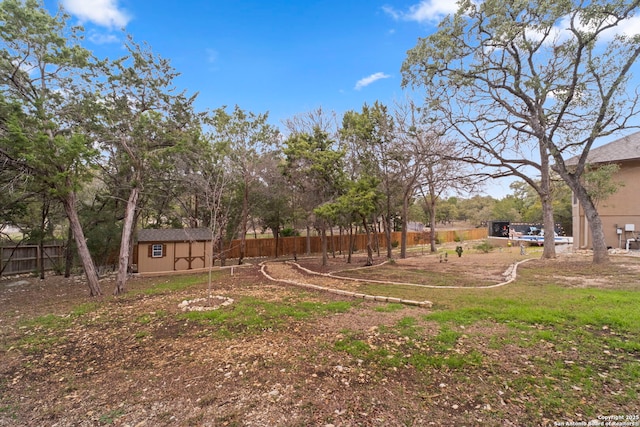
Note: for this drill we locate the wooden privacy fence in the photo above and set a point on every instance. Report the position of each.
(455, 235)
(340, 243)
(26, 258)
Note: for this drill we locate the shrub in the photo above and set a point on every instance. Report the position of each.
(289, 232)
(484, 247)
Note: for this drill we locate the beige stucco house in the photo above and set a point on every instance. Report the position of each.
(168, 250)
(620, 212)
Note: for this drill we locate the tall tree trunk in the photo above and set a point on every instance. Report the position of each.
(43, 225)
(68, 254)
(293, 226)
(125, 242)
(549, 251)
(243, 221)
(369, 242)
(69, 203)
(295, 245)
(350, 250)
(223, 253)
(600, 252)
(405, 223)
(376, 233)
(431, 207)
(332, 242)
(323, 237)
(387, 227)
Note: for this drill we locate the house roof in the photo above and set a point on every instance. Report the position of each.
(625, 148)
(174, 235)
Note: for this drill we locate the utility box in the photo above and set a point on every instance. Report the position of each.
(629, 227)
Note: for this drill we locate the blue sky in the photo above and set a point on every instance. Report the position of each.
(284, 57)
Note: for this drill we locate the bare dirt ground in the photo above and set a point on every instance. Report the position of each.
(135, 361)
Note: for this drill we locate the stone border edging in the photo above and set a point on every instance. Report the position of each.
(510, 273)
(343, 292)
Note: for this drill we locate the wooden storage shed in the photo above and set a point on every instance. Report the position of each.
(165, 250)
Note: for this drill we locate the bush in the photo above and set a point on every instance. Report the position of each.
(484, 247)
(289, 232)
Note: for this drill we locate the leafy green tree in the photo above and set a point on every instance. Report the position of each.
(376, 153)
(506, 209)
(529, 207)
(141, 117)
(317, 165)
(476, 209)
(302, 203)
(45, 71)
(273, 199)
(360, 199)
(447, 211)
(100, 214)
(599, 181)
(562, 206)
(249, 136)
(550, 78)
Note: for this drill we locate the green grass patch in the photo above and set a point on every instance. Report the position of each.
(180, 283)
(9, 410)
(86, 308)
(390, 308)
(393, 273)
(42, 332)
(48, 321)
(415, 348)
(581, 342)
(551, 305)
(111, 416)
(252, 315)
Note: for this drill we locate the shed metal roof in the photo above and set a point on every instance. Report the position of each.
(174, 235)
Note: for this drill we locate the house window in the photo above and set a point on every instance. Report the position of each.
(156, 251)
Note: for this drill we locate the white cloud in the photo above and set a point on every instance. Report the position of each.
(628, 27)
(212, 55)
(102, 38)
(631, 26)
(560, 32)
(105, 13)
(425, 11)
(366, 81)
(392, 12)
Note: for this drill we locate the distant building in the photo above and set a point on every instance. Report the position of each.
(620, 212)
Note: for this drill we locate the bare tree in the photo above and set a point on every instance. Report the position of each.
(428, 168)
(526, 84)
(307, 122)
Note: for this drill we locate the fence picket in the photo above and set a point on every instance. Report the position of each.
(20, 259)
